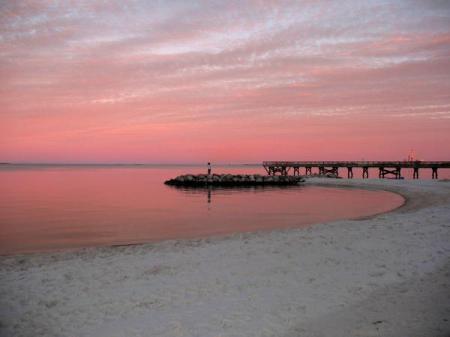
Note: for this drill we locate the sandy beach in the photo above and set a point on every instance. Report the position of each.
(387, 275)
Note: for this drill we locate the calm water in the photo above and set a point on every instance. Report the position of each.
(51, 208)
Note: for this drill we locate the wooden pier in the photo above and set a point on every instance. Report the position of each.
(385, 168)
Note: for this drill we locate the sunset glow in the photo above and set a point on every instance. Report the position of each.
(189, 82)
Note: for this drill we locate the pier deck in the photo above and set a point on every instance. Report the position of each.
(385, 168)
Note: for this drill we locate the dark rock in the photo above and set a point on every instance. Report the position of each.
(233, 180)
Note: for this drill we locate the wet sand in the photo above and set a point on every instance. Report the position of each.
(387, 275)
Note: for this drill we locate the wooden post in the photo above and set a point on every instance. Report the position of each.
(286, 170)
(365, 172)
(350, 172)
(434, 174)
(336, 171)
(416, 173)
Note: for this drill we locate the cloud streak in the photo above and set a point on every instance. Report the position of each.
(150, 72)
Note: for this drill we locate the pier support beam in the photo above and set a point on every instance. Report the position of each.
(349, 172)
(282, 170)
(434, 174)
(365, 173)
(416, 173)
(308, 170)
(333, 170)
(296, 171)
(396, 172)
(324, 170)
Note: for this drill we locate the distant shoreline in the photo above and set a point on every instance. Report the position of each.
(131, 164)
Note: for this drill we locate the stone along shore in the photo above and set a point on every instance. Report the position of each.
(199, 180)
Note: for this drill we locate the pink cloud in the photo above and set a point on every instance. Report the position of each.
(148, 82)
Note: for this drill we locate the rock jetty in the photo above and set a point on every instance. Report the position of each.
(199, 180)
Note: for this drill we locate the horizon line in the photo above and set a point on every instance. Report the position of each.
(115, 163)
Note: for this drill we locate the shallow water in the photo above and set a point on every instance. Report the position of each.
(46, 208)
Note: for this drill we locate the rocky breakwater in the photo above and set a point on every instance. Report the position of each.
(199, 180)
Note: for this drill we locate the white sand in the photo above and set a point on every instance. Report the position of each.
(384, 276)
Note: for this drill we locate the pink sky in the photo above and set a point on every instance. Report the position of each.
(224, 81)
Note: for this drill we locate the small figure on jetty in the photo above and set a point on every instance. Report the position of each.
(209, 168)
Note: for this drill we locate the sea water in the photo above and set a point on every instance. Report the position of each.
(57, 207)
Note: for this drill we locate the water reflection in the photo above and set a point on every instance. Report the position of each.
(209, 191)
(57, 208)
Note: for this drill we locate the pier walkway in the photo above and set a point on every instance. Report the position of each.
(385, 168)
